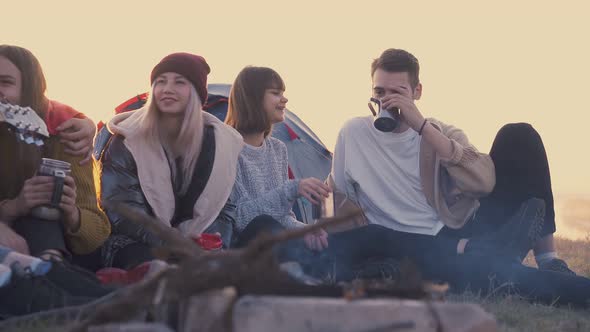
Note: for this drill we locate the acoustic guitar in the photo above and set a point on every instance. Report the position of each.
(25, 122)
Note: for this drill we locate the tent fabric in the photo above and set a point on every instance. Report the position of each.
(308, 156)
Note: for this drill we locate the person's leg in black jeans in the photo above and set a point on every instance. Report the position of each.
(261, 224)
(293, 250)
(122, 252)
(378, 241)
(44, 236)
(437, 260)
(132, 255)
(91, 261)
(349, 249)
(352, 248)
(489, 274)
(346, 250)
(511, 239)
(522, 172)
(359, 244)
(30, 294)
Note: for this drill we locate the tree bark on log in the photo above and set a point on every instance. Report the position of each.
(251, 270)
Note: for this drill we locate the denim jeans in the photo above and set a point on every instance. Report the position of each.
(436, 259)
(522, 172)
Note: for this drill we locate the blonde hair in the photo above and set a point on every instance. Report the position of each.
(187, 144)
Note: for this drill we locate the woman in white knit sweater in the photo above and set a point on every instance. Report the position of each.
(263, 193)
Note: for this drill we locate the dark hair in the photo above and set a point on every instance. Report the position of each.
(398, 61)
(245, 111)
(33, 81)
(25, 158)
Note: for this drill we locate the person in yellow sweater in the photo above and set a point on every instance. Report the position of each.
(82, 227)
(79, 227)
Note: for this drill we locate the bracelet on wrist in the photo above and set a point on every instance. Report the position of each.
(422, 127)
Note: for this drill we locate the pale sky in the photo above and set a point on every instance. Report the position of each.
(482, 64)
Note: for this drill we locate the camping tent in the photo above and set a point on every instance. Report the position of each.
(308, 156)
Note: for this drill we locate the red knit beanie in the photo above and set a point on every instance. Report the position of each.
(192, 66)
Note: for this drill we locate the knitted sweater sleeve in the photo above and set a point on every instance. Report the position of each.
(94, 225)
(473, 172)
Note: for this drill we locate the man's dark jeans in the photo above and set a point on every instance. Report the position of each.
(436, 259)
(522, 172)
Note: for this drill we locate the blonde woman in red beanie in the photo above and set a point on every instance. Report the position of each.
(169, 159)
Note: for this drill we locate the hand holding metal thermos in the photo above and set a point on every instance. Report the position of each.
(58, 170)
(386, 120)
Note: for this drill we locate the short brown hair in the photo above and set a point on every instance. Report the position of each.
(398, 61)
(245, 112)
(33, 81)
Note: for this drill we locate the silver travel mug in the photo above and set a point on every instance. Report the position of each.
(59, 170)
(325, 209)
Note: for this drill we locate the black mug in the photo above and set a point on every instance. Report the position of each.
(385, 120)
(58, 170)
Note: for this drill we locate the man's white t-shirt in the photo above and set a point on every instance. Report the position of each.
(381, 172)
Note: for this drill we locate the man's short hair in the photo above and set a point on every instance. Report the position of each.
(394, 60)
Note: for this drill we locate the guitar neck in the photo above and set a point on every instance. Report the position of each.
(29, 127)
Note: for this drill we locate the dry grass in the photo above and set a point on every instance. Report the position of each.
(575, 253)
(515, 314)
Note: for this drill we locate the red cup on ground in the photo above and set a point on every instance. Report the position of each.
(209, 241)
(113, 275)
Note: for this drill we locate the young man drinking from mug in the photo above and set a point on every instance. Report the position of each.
(446, 205)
